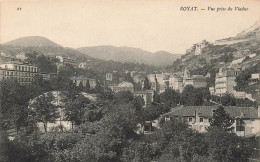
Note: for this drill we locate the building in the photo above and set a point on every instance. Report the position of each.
(159, 82)
(21, 56)
(212, 90)
(146, 95)
(225, 80)
(83, 65)
(24, 73)
(254, 79)
(176, 82)
(246, 119)
(197, 81)
(123, 86)
(82, 79)
(67, 60)
(112, 79)
(200, 46)
(139, 78)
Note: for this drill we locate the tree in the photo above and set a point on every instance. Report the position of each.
(226, 146)
(156, 97)
(228, 100)
(80, 87)
(147, 84)
(76, 108)
(194, 96)
(44, 110)
(170, 98)
(221, 120)
(87, 87)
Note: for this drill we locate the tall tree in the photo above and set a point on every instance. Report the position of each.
(147, 84)
(221, 120)
(80, 87)
(87, 87)
(44, 110)
(76, 108)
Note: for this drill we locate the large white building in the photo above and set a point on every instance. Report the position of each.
(24, 73)
(225, 80)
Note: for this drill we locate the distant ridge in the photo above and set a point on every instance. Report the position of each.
(130, 54)
(32, 41)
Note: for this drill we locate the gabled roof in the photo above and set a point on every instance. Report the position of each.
(207, 111)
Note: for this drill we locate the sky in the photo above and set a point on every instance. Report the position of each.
(152, 25)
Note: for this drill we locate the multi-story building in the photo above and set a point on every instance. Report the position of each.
(246, 120)
(112, 79)
(176, 82)
(225, 80)
(67, 60)
(24, 73)
(82, 79)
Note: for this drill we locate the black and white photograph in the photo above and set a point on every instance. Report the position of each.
(129, 81)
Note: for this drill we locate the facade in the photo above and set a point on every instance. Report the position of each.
(254, 79)
(21, 56)
(82, 79)
(112, 79)
(199, 47)
(67, 60)
(246, 119)
(146, 95)
(176, 82)
(24, 73)
(123, 86)
(197, 81)
(225, 80)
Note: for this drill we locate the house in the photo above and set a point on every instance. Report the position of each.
(254, 79)
(246, 119)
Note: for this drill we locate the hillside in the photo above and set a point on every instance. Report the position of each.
(239, 49)
(33, 41)
(129, 54)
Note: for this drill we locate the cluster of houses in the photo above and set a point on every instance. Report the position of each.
(246, 119)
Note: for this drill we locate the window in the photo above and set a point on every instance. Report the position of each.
(201, 119)
(210, 120)
(190, 119)
(171, 118)
(240, 125)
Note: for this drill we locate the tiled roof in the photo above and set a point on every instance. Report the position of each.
(207, 111)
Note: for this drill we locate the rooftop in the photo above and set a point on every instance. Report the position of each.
(207, 111)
